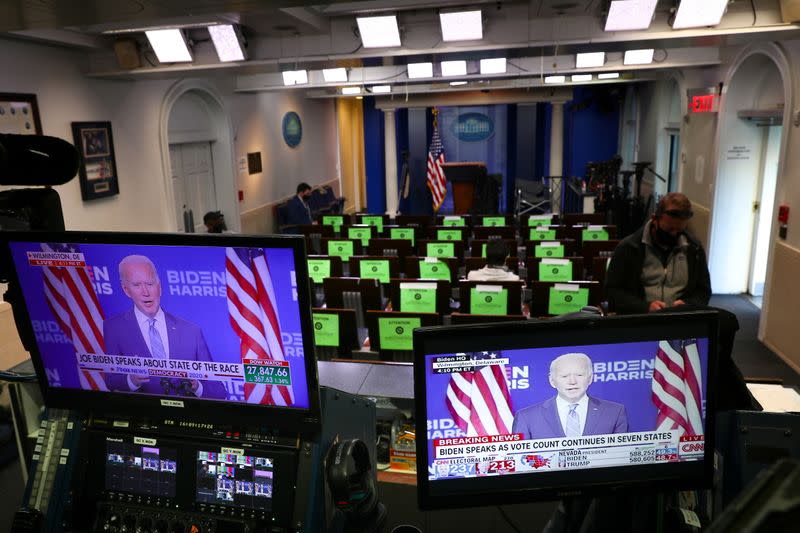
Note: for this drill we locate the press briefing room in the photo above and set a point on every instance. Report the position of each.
(399, 267)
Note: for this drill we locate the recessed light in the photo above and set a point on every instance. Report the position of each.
(227, 42)
(351, 90)
(638, 57)
(454, 68)
(169, 45)
(608, 76)
(295, 77)
(495, 65)
(699, 13)
(381, 89)
(461, 26)
(628, 15)
(590, 60)
(555, 79)
(420, 70)
(576, 78)
(334, 75)
(379, 32)
(457, 83)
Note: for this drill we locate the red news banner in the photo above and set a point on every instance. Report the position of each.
(596, 451)
(56, 259)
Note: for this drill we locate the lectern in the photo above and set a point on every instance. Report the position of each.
(464, 177)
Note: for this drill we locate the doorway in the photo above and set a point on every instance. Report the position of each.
(193, 184)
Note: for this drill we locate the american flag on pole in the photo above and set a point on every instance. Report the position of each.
(435, 175)
(479, 400)
(252, 307)
(71, 298)
(676, 387)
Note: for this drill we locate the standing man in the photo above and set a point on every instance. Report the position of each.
(146, 330)
(215, 222)
(298, 210)
(660, 265)
(571, 412)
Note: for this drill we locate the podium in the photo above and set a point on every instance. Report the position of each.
(464, 177)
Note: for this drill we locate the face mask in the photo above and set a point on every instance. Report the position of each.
(665, 238)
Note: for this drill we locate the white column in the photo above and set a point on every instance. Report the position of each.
(390, 160)
(556, 154)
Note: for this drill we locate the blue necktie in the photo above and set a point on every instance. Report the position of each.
(156, 346)
(573, 421)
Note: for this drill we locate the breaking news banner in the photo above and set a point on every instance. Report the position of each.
(229, 319)
(503, 412)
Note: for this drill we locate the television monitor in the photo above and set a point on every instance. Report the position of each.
(191, 327)
(541, 410)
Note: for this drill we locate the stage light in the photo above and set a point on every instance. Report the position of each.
(638, 57)
(608, 76)
(334, 75)
(590, 60)
(555, 79)
(461, 26)
(381, 89)
(495, 65)
(350, 91)
(576, 78)
(227, 42)
(629, 15)
(379, 32)
(169, 45)
(295, 77)
(454, 68)
(699, 13)
(420, 70)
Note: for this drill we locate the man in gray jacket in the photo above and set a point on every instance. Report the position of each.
(660, 265)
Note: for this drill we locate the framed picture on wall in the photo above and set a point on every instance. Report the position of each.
(19, 114)
(98, 168)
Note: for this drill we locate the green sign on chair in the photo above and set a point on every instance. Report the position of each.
(432, 268)
(326, 329)
(549, 249)
(567, 298)
(418, 297)
(343, 249)
(374, 268)
(397, 333)
(555, 270)
(488, 300)
(318, 269)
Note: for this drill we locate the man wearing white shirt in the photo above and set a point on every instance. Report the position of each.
(571, 412)
(146, 330)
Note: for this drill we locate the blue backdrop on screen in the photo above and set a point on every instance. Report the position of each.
(193, 287)
(475, 133)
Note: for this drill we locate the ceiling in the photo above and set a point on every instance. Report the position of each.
(543, 35)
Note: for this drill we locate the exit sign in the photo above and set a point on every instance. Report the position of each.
(703, 100)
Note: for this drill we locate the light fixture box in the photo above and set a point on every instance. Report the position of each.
(630, 15)
(699, 13)
(379, 32)
(461, 25)
(169, 45)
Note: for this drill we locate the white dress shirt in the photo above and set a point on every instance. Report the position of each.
(563, 410)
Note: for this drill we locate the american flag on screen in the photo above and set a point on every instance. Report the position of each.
(676, 387)
(435, 175)
(74, 304)
(479, 400)
(252, 307)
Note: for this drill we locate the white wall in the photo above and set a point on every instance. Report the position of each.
(133, 108)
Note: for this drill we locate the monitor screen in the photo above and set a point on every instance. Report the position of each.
(179, 320)
(139, 469)
(230, 477)
(538, 410)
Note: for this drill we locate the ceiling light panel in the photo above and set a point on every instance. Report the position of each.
(629, 15)
(699, 13)
(578, 78)
(379, 32)
(495, 65)
(461, 26)
(590, 60)
(555, 79)
(381, 89)
(334, 75)
(169, 45)
(608, 76)
(457, 83)
(420, 70)
(454, 68)
(227, 42)
(638, 57)
(295, 77)
(351, 90)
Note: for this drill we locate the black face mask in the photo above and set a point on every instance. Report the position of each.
(666, 239)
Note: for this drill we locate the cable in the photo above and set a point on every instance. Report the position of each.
(14, 377)
(508, 520)
(755, 16)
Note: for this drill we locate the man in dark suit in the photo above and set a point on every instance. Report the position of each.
(571, 412)
(146, 330)
(297, 209)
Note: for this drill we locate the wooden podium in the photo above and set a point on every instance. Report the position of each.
(464, 176)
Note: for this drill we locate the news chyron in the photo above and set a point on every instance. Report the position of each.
(206, 322)
(527, 411)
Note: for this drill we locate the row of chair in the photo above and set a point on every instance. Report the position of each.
(425, 221)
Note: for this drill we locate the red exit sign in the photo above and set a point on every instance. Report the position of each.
(705, 103)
